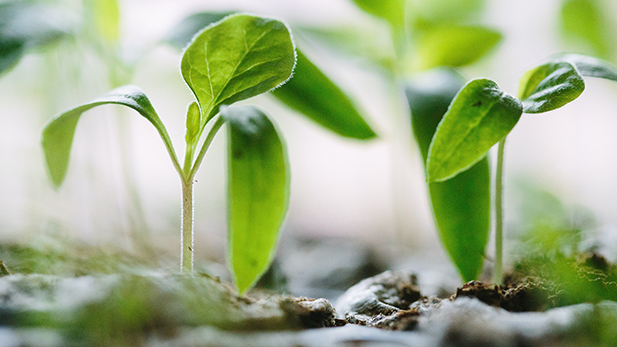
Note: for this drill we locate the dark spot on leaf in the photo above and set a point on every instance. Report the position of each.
(190, 248)
(479, 103)
(237, 154)
(253, 263)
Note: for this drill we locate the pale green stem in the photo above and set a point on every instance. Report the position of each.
(186, 256)
(498, 268)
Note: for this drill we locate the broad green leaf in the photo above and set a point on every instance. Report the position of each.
(480, 115)
(235, 59)
(461, 205)
(589, 66)
(313, 94)
(258, 188)
(182, 34)
(587, 22)
(24, 26)
(391, 10)
(107, 19)
(454, 45)
(58, 133)
(550, 86)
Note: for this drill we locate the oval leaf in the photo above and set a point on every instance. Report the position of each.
(237, 58)
(59, 132)
(589, 66)
(479, 116)
(313, 94)
(550, 86)
(454, 45)
(258, 188)
(24, 25)
(461, 205)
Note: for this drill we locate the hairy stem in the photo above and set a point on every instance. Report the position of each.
(498, 268)
(186, 242)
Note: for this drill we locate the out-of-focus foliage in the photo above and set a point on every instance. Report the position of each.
(391, 10)
(422, 14)
(25, 26)
(181, 34)
(461, 205)
(106, 15)
(450, 45)
(586, 23)
(314, 95)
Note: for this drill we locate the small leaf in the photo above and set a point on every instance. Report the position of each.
(479, 116)
(586, 22)
(258, 186)
(182, 34)
(589, 66)
(454, 45)
(391, 10)
(59, 132)
(550, 86)
(25, 26)
(193, 123)
(240, 57)
(313, 94)
(461, 205)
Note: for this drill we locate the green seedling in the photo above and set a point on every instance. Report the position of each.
(482, 115)
(461, 206)
(234, 59)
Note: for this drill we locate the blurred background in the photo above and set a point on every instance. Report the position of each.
(121, 188)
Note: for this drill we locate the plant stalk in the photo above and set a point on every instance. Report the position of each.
(498, 268)
(186, 242)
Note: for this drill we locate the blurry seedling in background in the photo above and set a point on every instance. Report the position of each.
(482, 115)
(234, 59)
(26, 26)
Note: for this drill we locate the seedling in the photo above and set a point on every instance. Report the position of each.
(234, 59)
(482, 115)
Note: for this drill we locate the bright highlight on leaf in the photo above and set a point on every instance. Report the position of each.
(479, 116)
(589, 66)
(258, 180)
(59, 132)
(240, 57)
(550, 86)
(454, 45)
(461, 205)
(313, 94)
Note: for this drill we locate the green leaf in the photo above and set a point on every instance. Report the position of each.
(454, 45)
(480, 115)
(550, 86)
(182, 34)
(313, 94)
(107, 19)
(193, 123)
(425, 13)
(589, 66)
(258, 184)
(24, 26)
(461, 205)
(239, 57)
(587, 22)
(391, 10)
(58, 133)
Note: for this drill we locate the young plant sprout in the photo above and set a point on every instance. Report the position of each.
(234, 59)
(482, 115)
